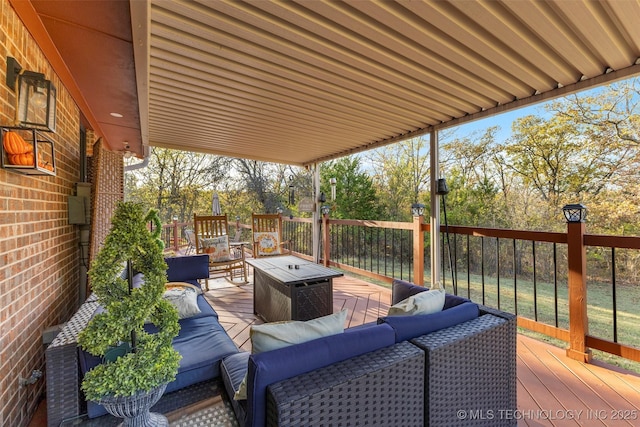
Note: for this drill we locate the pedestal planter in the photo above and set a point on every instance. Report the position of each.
(135, 409)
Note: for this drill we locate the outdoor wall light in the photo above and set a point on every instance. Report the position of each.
(36, 97)
(417, 209)
(575, 212)
(324, 209)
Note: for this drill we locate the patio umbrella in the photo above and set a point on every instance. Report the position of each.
(215, 205)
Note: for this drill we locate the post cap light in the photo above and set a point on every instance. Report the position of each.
(325, 209)
(575, 212)
(417, 209)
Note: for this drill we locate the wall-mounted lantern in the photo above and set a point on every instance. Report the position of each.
(36, 106)
(417, 209)
(576, 212)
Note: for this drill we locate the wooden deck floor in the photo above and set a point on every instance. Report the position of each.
(552, 389)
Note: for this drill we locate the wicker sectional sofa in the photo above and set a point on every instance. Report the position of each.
(202, 342)
(456, 367)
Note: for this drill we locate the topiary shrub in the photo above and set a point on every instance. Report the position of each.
(152, 360)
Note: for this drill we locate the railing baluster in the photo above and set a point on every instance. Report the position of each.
(535, 282)
(468, 266)
(498, 269)
(613, 295)
(555, 282)
(482, 268)
(515, 277)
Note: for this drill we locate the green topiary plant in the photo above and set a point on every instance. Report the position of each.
(152, 360)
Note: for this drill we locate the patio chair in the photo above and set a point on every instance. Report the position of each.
(267, 235)
(190, 235)
(212, 238)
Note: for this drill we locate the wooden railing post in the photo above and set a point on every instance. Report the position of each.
(325, 240)
(418, 250)
(176, 245)
(577, 277)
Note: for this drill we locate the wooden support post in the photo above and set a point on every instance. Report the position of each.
(418, 251)
(578, 320)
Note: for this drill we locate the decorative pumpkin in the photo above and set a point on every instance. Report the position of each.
(14, 144)
(45, 165)
(25, 159)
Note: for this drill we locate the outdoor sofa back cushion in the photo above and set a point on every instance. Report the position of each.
(272, 366)
(187, 268)
(408, 327)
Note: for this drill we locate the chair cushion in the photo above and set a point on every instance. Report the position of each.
(267, 243)
(217, 248)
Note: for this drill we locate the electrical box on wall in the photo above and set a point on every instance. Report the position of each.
(76, 210)
(78, 206)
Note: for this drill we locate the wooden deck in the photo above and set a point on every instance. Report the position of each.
(552, 389)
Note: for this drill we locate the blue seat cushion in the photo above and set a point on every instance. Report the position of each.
(408, 327)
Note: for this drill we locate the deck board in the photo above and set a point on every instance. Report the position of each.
(553, 390)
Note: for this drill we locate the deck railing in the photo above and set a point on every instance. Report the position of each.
(576, 287)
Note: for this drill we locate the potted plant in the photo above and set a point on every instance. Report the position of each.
(142, 373)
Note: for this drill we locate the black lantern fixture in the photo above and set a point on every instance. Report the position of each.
(36, 97)
(576, 212)
(417, 209)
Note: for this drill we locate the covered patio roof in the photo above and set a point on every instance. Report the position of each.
(299, 82)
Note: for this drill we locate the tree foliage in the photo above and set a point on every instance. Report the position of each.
(355, 193)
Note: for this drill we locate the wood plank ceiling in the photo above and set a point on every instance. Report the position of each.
(304, 81)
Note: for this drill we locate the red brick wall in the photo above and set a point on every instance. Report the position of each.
(39, 251)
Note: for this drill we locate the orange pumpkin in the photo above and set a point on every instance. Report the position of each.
(14, 144)
(23, 159)
(45, 165)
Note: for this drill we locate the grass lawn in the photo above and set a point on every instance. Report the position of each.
(547, 309)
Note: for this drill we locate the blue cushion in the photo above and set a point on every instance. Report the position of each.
(272, 366)
(407, 327)
(187, 268)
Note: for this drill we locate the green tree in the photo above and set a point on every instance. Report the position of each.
(355, 193)
(401, 175)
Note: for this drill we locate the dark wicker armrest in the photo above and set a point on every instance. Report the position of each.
(471, 369)
(62, 369)
(383, 387)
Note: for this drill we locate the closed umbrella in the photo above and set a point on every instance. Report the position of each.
(215, 205)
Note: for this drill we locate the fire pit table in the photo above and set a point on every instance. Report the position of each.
(291, 288)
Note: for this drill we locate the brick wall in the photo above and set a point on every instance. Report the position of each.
(39, 251)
